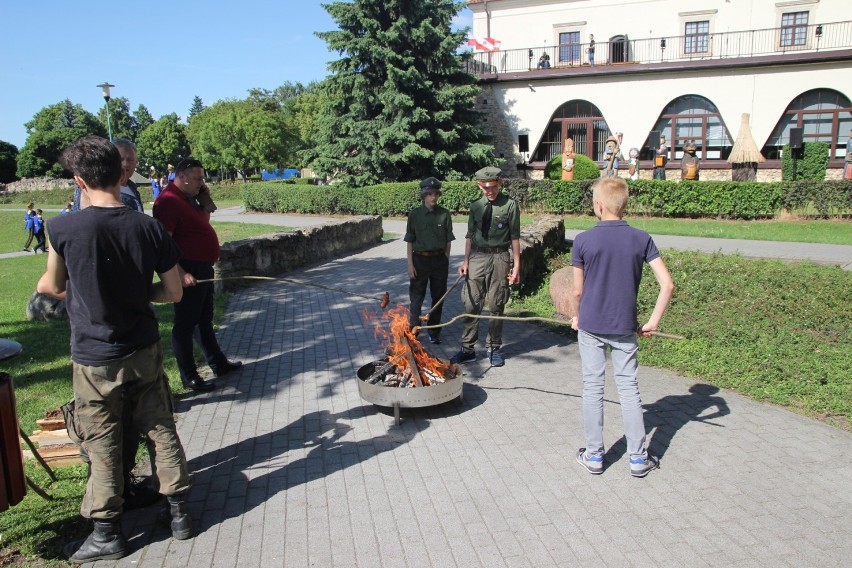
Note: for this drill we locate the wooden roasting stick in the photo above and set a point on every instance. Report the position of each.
(527, 318)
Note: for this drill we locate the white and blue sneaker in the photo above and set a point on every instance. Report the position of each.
(640, 467)
(593, 464)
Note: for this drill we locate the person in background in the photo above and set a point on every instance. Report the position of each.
(179, 208)
(155, 187)
(429, 234)
(543, 61)
(129, 192)
(29, 225)
(170, 176)
(101, 262)
(492, 263)
(67, 209)
(607, 261)
(591, 50)
(39, 232)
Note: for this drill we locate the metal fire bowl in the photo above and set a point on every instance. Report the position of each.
(409, 397)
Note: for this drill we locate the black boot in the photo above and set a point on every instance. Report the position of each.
(105, 543)
(176, 516)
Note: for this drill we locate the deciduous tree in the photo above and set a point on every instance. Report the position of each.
(52, 129)
(120, 119)
(142, 119)
(8, 162)
(240, 135)
(162, 143)
(399, 105)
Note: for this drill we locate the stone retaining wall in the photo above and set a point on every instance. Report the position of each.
(545, 234)
(276, 253)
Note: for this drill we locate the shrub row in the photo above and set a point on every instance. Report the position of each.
(728, 200)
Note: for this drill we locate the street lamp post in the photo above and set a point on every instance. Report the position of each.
(105, 89)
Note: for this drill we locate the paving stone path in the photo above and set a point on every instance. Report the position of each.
(292, 468)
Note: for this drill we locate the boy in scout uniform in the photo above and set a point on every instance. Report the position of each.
(493, 227)
(429, 235)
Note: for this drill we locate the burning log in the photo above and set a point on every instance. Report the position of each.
(381, 371)
(412, 364)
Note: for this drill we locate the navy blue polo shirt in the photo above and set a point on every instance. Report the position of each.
(611, 255)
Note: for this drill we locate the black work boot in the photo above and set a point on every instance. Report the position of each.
(176, 516)
(105, 543)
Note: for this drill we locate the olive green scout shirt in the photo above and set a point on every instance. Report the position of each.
(505, 222)
(429, 230)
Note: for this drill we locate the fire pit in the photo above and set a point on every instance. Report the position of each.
(379, 393)
(409, 376)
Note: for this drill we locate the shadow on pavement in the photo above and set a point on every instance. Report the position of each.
(669, 414)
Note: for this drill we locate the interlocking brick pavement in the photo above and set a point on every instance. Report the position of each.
(292, 468)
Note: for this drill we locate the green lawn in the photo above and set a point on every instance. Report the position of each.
(836, 232)
(771, 330)
(13, 236)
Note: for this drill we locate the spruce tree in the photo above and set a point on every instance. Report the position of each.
(399, 102)
(197, 107)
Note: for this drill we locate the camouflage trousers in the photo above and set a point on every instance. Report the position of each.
(102, 395)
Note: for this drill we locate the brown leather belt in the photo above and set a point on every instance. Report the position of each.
(492, 250)
(429, 252)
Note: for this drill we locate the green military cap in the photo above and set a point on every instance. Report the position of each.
(430, 184)
(487, 173)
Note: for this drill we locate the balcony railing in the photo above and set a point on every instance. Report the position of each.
(671, 49)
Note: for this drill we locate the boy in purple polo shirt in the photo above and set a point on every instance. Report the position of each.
(607, 262)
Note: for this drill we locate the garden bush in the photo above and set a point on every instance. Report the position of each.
(584, 168)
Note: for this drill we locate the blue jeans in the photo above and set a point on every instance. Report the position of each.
(623, 349)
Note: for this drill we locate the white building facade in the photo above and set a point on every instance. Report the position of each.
(687, 70)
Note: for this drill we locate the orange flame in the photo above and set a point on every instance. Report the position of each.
(399, 339)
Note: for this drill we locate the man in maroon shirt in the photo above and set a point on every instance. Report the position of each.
(178, 209)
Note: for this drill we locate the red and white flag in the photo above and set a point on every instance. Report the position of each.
(484, 43)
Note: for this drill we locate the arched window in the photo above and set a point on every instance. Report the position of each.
(823, 115)
(692, 118)
(579, 120)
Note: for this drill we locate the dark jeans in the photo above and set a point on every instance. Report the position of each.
(41, 241)
(659, 173)
(195, 311)
(432, 271)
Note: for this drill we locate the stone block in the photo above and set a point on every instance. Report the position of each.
(561, 286)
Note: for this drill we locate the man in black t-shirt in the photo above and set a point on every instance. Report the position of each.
(101, 262)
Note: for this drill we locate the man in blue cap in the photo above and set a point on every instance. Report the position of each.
(429, 235)
(493, 228)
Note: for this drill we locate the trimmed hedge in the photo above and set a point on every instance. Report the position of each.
(727, 200)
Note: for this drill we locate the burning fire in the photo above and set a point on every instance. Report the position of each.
(403, 348)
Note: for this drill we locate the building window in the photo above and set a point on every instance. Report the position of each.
(822, 114)
(697, 37)
(569, 47)
(794, 29)
(692, 118)
(582, 122)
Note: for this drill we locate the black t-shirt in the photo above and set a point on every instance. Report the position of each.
(111, 255)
